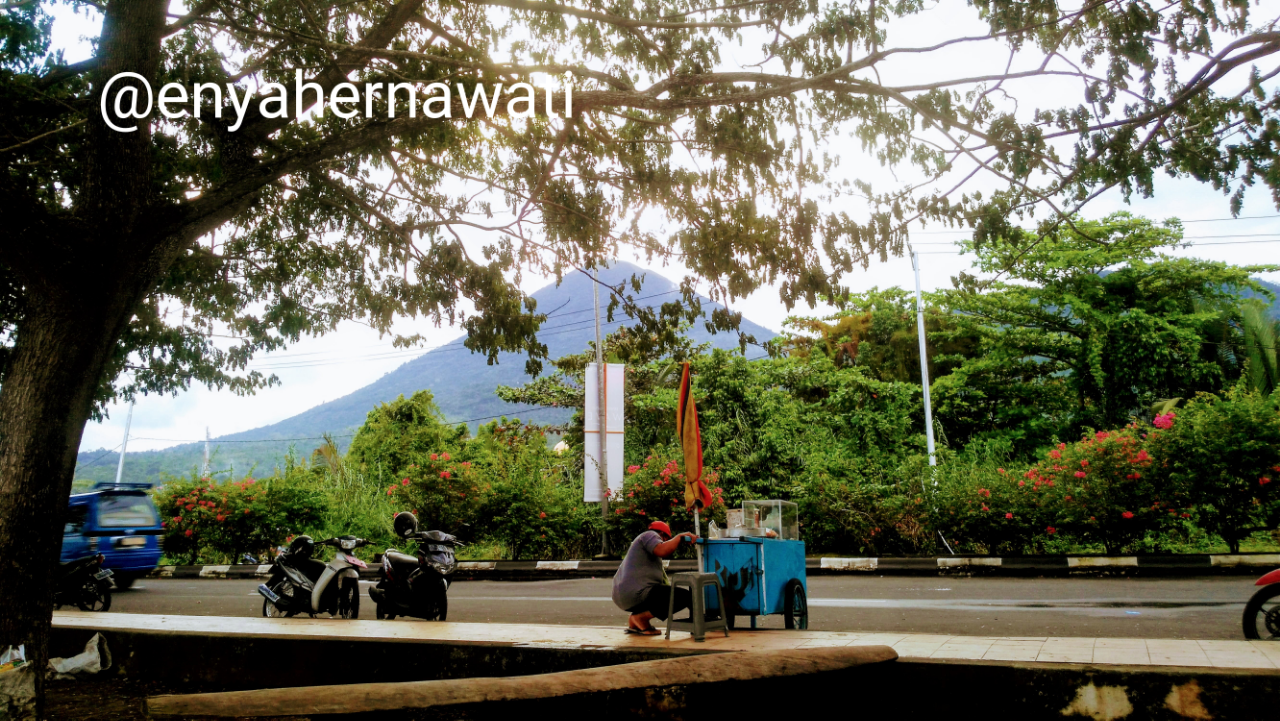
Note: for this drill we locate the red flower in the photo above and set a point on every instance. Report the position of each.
(1022, 483)
(1008, 515)
(1143, 456)
(1079, 474)
(1050, 484)
(177, 519)
(445, 456)
(984, 507)
(163, 524)
(404, 481)
(1055, 454)
(188, 534)
(1127, 514)
(1067, 498)
(435, 457)
(221, 517)
(1050, 530)
(444, 474)
(632, 469)
(641, 511)
(984, 493)
(1264, 480)
(1000, 471)
(191, 507)
(1084, 464)
(542, 515)
(246, 511)
(390, 491)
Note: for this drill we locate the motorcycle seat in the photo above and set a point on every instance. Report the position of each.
(75, 564)
(310, 567)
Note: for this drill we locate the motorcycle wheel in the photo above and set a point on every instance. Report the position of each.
(270, 610)
(1262, 614)
(349, 598)
(94, 599)
(442, 604)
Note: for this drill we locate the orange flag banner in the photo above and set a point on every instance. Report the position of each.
(695, 491)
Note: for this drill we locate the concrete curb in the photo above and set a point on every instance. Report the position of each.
(1161, 565)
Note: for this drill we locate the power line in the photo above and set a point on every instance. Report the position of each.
(1185, 222)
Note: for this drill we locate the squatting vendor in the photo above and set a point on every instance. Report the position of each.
(641, 586)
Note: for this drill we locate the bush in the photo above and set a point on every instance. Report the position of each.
(221, 521)
(653, 490)
(443, 492)
(1103, 489)
(864, 508)
(401, 433)
(983, 507)
(1226, 452)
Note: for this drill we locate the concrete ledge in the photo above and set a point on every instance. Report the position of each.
(185, 654)
(1162, 565)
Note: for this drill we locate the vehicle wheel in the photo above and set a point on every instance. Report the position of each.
(797, 613)
(1262, 614)
(123, 580)
(270, 610)
(442, 604)
(349, 598)
(92, 598)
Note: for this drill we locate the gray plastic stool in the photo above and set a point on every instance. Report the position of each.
(697, 624)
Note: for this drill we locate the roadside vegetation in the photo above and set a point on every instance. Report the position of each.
(1103, 397)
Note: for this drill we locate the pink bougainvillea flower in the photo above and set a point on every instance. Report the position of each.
(1022, 483)
(1008, 515)
(445, 456)
(984, 493)
(1084, 464)
(177, 519)
(1054, 454)
(1143, 455)
(446, 475)
(1102, 435)
(1050, 484)
(632, 469)
(984, 507)
(435, 456)
(631, 494)
(1062, 446)
(1165, 421)
(1127, 514)
(404, 481)
(1080, 474)
(1000, 471)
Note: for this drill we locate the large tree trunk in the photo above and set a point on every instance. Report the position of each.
(47, 395)
(83, 273)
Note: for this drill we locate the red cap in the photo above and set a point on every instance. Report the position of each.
(661, 527)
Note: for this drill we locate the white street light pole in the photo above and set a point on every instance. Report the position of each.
(128, 420)
(924, 361)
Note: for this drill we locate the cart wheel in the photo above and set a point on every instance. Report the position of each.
(797, 613)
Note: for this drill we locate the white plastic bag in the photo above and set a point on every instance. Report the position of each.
(17, 685)
(93, 659)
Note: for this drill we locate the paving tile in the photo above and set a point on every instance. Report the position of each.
(1070, 641)
(1024, 638)
(1013, 651)
(827, 642)
(881, 639)
(1270, 649)
(1126, 656)
(1120, 643)
(972, 651)
(916, 650)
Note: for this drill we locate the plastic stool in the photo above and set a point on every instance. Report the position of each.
(697, 624)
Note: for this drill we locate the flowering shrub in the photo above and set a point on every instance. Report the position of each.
(654, 491)
(225, 520)
(1103, 489)
(443, 492)
(1226, 452)
(985, 508)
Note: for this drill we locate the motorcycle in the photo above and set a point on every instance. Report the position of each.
(418, 585)
(85, 583)
(300, 584)
(1262, 612)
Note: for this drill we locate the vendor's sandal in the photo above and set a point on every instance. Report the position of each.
(644, 631)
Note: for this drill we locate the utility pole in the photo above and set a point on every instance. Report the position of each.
(604, 419)
(204, 469)
(128, 420)
(924, 379)
(924, 361)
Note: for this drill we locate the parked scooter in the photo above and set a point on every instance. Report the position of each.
(416, 586)
(301, 584)
(85, 583)
(1262, 612)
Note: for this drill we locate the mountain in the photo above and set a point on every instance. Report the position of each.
(462, 383)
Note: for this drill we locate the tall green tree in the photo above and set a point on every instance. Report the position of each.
(1091, 326)
(135, 251)
(402, 432)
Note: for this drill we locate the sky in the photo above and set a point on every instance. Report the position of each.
(317, 370)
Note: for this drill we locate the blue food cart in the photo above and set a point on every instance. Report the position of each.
(760, 561)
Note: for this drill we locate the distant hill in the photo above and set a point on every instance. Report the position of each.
(462, 383)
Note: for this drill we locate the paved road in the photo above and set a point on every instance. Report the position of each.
(1202, 608)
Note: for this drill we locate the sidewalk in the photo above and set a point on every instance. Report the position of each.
(1100, 652)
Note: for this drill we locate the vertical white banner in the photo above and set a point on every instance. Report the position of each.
(614, 380)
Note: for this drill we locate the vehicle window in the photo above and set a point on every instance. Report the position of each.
(126, 512)
(75, 520)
